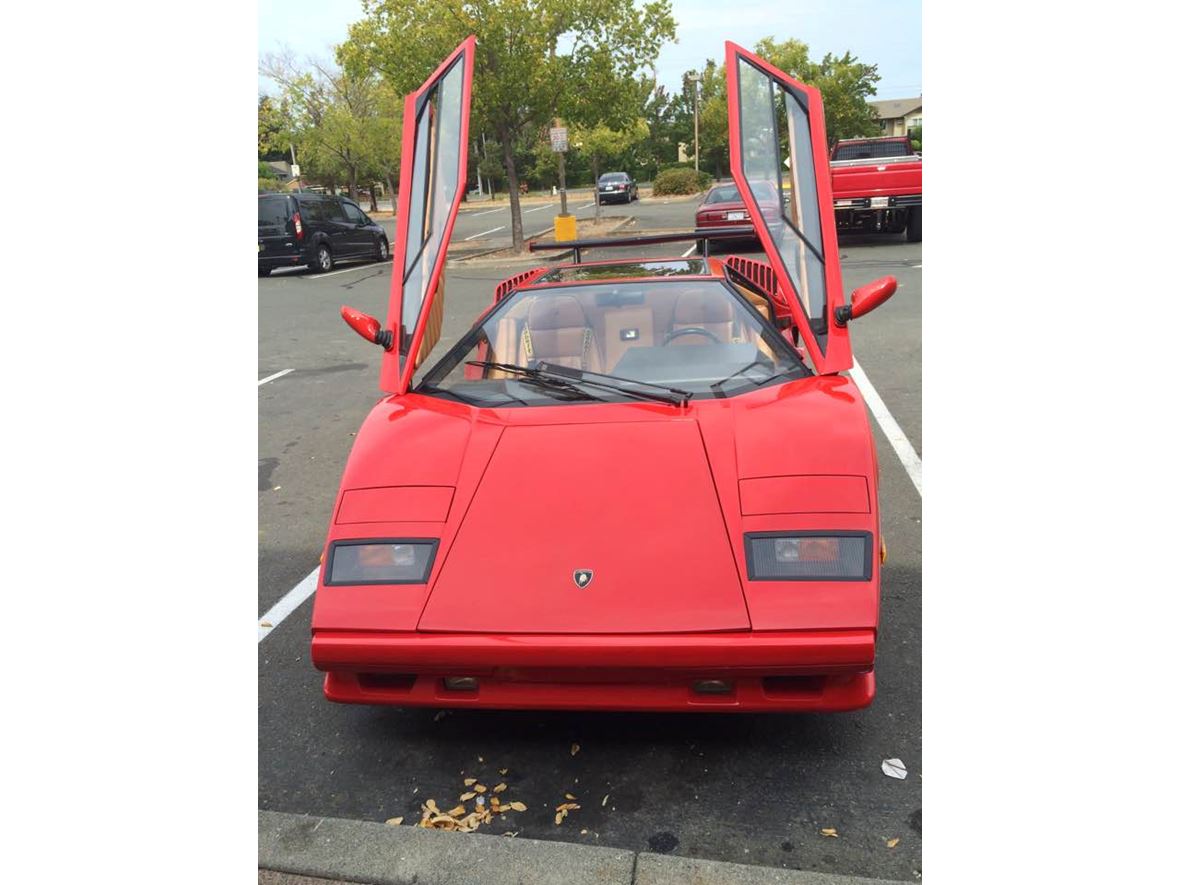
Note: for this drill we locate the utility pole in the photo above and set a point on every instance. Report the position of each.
(695, 78)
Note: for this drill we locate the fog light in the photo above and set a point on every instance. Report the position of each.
(712, 686)
(461, 683)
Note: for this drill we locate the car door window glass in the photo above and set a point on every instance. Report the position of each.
(774, 124)
(332, 210)
(355, 215)
(437, 144)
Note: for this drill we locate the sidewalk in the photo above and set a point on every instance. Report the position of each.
(293, 847)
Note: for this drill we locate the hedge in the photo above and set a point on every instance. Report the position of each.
(680, 181)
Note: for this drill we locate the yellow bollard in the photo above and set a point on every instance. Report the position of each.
(565, 227)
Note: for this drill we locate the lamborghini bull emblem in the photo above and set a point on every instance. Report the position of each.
(583, 577)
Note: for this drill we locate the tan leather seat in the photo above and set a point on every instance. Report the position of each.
(710, 311)
(558, 331)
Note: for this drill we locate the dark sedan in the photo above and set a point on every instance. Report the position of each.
(617, 187)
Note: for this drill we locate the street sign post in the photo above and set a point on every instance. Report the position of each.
(559, 138)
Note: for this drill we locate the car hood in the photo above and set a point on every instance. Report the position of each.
(632, 504)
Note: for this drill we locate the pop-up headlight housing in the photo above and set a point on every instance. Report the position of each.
(381, 561)
(809, 556)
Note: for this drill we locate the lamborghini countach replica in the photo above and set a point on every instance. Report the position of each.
(636, 484)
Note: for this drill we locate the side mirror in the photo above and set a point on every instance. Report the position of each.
(866, 298)
(367, 327)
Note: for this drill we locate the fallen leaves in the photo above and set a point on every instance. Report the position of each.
(571, 796)
(395, 821)
(459, 819)
(564, 809)
(892, 843)
(829, 831)
(894, 768)
(604, 798)
(574, 749)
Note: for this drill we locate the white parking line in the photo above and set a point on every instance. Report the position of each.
(485, 233)
(691, 249)
(538, 209)
(486, 212)
(274, 376)
(893, 432)
(587, 206)
(917, 267)
(332, 273)
(295, 597)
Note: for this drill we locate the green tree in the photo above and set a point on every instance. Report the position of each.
(537, 59)
(844, 82)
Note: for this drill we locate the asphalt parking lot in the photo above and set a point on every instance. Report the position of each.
(753, 789)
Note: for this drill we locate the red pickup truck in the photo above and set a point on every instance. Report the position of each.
(877, 186)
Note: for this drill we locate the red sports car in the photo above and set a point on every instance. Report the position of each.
(627, 487)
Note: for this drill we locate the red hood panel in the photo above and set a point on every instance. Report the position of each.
(633, 502)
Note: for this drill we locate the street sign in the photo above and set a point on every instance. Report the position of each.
(559, 138)
(294, 171)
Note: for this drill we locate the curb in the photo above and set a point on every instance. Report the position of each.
(371, 852)
(493, 257)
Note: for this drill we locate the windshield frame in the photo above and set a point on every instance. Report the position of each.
(466, 345)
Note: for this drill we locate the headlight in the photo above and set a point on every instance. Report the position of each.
(809, 556)
(381, 561)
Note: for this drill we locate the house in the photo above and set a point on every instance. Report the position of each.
(282, 169)
(898, 115)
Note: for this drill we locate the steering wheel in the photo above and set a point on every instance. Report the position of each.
(690, 330)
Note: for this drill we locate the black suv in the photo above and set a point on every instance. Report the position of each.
(617, 186)
(316, 230)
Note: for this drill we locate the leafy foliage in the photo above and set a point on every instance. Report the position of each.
(680, 181)
(537, 60)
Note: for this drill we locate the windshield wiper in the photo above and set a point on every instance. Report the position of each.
(566, 376)
(717, 386)
(532, 376)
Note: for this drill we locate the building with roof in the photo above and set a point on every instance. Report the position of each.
(898, 115)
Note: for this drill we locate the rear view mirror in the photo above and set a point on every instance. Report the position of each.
(366, 326)
(868, 297)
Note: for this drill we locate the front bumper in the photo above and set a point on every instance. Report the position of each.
(818, 671)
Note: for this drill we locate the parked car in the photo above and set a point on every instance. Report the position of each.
(624, 488)
(723, 209)
(617, 187)
(315, 230)
(877, 186)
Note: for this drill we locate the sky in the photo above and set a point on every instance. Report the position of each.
(886, 34)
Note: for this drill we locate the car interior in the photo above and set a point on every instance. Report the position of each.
(652, 331)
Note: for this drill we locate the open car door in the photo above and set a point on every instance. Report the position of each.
(777, 135)
(433, 178)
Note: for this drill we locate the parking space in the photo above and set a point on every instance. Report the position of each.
(754, 789)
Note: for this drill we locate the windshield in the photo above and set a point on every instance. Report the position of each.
(698, 336)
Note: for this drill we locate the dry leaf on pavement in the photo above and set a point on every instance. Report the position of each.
(894, 768)
(570, 796)
(574, 749)
(499, 788)
(466, 797)
(480, 788)
(518, 806)
(829, 831)
(468, 781)
(892, 843)
(395, 821)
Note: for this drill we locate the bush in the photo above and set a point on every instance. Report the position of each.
(680, 181)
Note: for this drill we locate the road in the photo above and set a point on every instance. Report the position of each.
(750, 789)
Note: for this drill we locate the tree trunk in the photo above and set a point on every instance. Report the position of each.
(352, 183)
(597, 202)
(373, 197)
(392, 195)
(513, 191)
